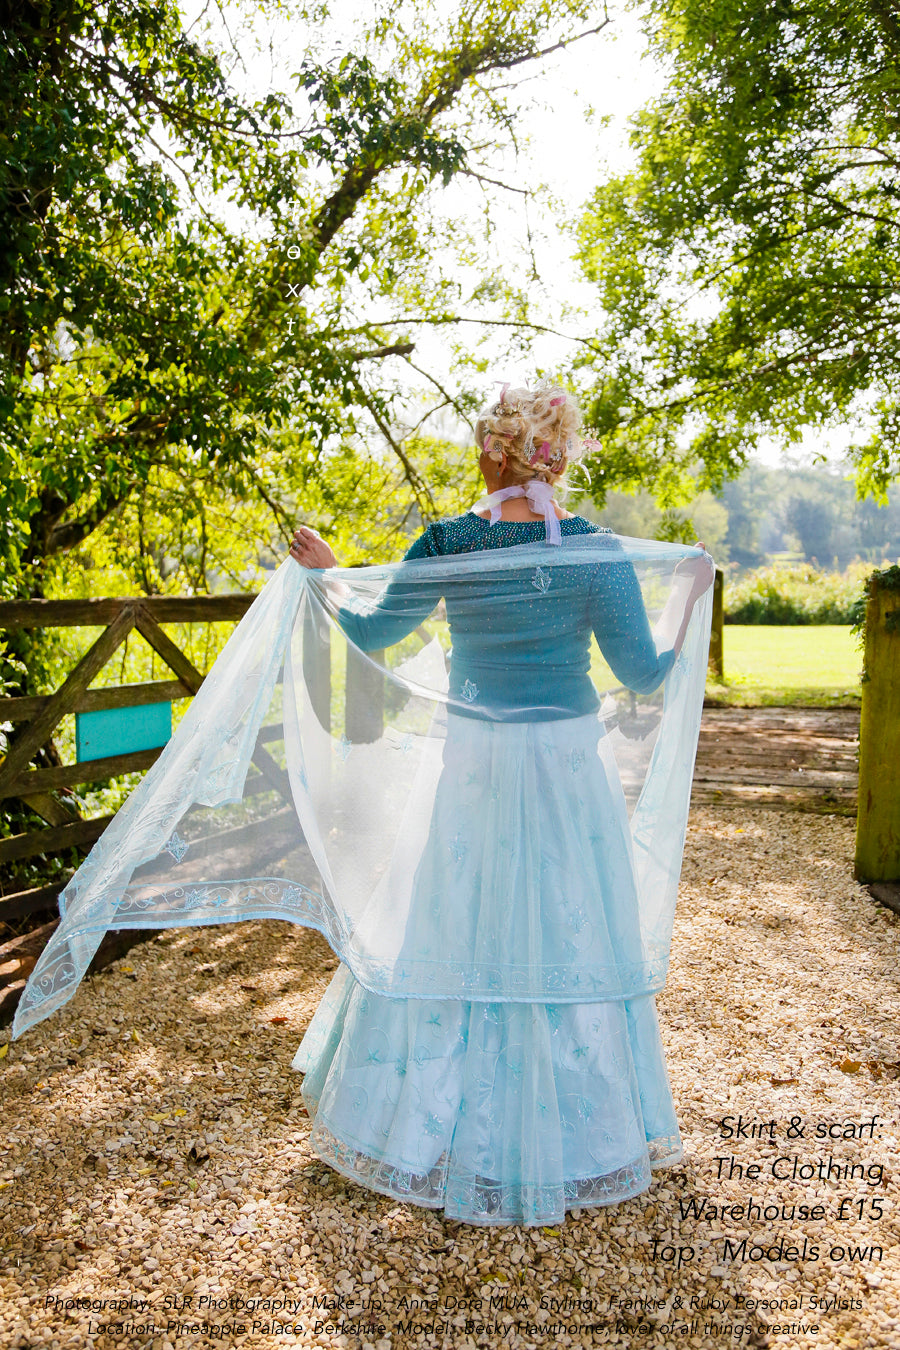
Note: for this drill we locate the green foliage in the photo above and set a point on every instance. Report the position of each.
(886, 579)
(749, 267)
(810, 511)
(794, 595)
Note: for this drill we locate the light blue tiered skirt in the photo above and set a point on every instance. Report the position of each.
(507, 1112)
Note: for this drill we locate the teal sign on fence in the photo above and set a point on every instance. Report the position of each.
(120, 731)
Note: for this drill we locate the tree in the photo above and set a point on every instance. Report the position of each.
(164, 373)
(812, 521)
(750, 265)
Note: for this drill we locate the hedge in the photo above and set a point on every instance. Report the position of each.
(796, 595)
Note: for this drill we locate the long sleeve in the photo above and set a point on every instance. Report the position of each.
(400, 608)
(622, 629)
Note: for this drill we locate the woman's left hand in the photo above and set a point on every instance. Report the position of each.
(700, 569)
(310, 550)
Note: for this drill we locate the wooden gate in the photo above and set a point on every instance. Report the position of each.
(38, 717)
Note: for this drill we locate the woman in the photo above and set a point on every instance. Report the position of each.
(492, 852)
(517, 1109)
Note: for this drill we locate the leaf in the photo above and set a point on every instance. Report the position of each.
(4, 1050)
(162, 1115)
(850, 1066)
(278, 1021)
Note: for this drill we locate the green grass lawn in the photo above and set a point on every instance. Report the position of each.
(815, 665)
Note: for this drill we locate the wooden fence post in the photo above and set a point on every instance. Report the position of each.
(364, 716)
(878, 817)
(716, 637)
(317, 663)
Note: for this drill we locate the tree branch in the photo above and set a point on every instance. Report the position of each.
(376, 353)
(466, 66)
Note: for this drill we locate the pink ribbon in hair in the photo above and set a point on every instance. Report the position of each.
(554, 402)
(542, 453)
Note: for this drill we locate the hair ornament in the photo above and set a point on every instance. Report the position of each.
(537, 429)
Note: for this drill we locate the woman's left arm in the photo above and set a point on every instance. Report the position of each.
(399, 610)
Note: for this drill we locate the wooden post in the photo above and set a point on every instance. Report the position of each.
(317, 662)
(716, 637)
(878, 817)
(364, 717)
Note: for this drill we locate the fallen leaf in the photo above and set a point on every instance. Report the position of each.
(180, 1112)
(162, 1115)
(192, 1182)
(850, 1066)
(782, 1082)
(4, 1050)
(135, 1034)
(249, 987)
(278, 1021)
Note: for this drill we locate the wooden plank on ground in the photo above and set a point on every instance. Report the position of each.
(886, 893)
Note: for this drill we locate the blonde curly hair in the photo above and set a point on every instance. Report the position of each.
(537, 429)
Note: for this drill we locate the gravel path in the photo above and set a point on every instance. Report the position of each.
(154, 1148)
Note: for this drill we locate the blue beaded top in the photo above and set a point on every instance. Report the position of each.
(521, 641)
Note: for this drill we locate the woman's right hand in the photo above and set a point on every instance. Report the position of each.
(310, 550)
